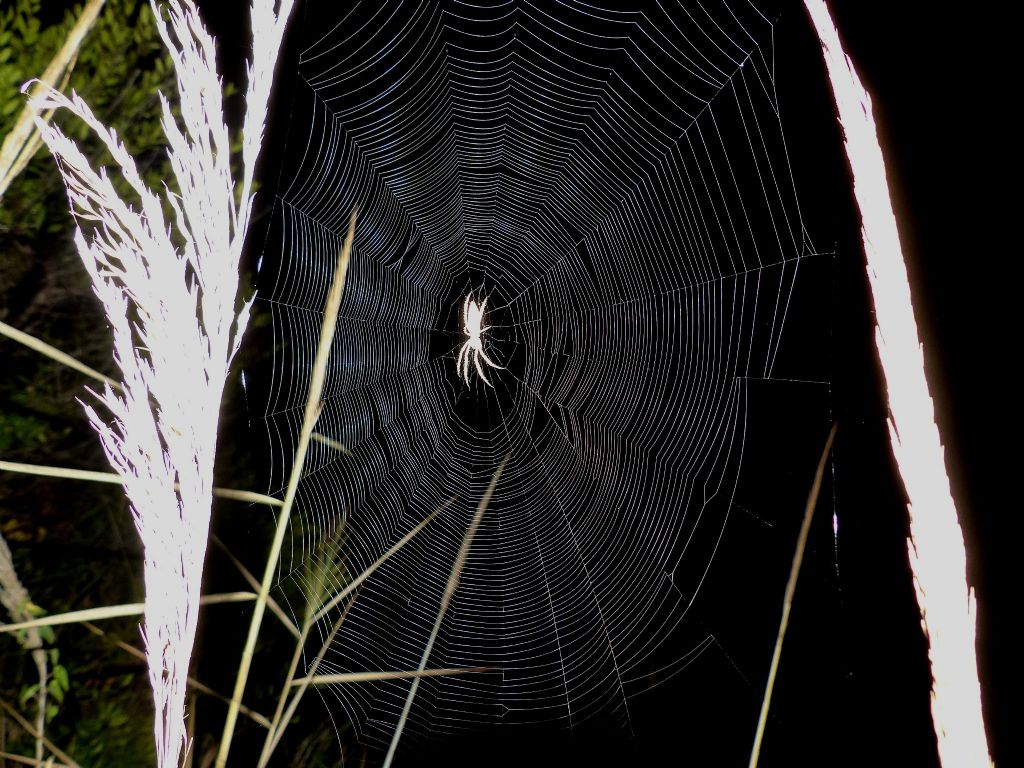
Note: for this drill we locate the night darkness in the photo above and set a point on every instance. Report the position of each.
(853, 685)
(854, 680)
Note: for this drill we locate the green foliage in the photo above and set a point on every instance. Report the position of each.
(113, 723)
(21, 431)
(120, 68)
(20, 42)
(60, 683)
(43, 289)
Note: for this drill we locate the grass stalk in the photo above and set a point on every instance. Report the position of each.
(50, 351)
(446, 598)
(27, 727)
(256, 717)
(23, 140)
(331, 443)
(281, 716)
(353, 585)
(115, 612)
(66, 473)
(371, 677)
(272, 604)
(312, 413)
(787, 600)
(49, 763)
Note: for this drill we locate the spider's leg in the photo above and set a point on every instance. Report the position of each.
(458, 362)
(465, 313)
(465, 363)
(480, 317)
(489, 361)
(481, 370)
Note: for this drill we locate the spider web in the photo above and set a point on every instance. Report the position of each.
(618, 186)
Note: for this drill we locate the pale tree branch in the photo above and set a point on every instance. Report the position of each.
(15, 598)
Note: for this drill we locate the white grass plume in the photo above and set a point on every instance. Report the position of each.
(938, 558)
(169, 287)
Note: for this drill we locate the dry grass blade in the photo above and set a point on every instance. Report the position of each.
(27, 727)
(227, 597)
(22, 142)
(116, 612)
(272, 604)
(787, 600)
(65, 473)
(330, 443)
(312, 413)
(31, 760)
(50, 351)
(247, 496)
(256, 717)
(62, 473)
(281, 716)
(446, 598)
(74, 617)
(362, 577)
(370, 677)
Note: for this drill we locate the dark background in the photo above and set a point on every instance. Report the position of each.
(853, 683)
(940, 86)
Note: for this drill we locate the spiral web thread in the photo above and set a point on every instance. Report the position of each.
(617, 185)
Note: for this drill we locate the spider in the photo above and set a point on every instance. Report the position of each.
(472, 318)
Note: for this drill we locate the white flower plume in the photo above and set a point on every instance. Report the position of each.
(938, 558)
(169, 289)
